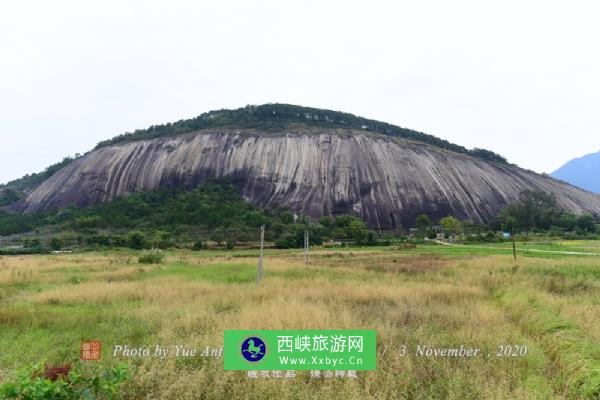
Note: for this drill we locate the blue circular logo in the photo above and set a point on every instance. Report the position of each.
(253, 349)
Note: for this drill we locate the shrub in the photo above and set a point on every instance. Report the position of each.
(101, 239)
(85, 221)
(200, 245)
(136, 240)
(22, 251)
(41, 382)
(31, 243)
(153, 256)
(163, 240)
(287, 242)
(56, 244)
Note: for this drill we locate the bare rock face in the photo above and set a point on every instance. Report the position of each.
(386, 181)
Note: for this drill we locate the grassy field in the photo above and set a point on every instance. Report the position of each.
(432, 295)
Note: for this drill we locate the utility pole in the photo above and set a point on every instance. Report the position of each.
(260, 273)
(306, 247)
(509, 225)
(512, 235)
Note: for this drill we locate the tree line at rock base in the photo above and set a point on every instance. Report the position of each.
(214, 215)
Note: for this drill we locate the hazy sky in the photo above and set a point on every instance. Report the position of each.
(519, 78)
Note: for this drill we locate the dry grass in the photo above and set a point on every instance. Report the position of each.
(410, 298)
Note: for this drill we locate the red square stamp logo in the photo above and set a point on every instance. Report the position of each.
(90, 350)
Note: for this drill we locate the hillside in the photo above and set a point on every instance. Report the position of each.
(267, 118)
(18, 188)
(581, 172)
(279, 117)
(309, 169)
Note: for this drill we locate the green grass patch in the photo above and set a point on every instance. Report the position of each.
(59, 329)
(573, 272)
(575, 356)
(217, 273)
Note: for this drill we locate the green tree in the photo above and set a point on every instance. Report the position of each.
(451, 225)
(587, 223)
(199, 245)
(277, 230)
(256, 219)
(358, 231)
(9, 196)
(136, 240)
(295, 239)
(510, 224)
(32, 243)
(344, 221)
(287, 217)
(55, 244)
(568, 221)
(327, 221)
(233, 234)
(424, 224)
(218, 236)
(537, 210)
(85, 221)
(162, 240)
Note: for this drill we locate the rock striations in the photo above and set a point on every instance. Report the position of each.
(317, 171)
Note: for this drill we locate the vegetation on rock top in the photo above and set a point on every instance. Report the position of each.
(273, 117)
(267, 118)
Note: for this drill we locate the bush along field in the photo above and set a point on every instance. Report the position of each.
(62, 382)
(212, 213)
(536, 321)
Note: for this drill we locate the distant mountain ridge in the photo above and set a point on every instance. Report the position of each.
(583, 172)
